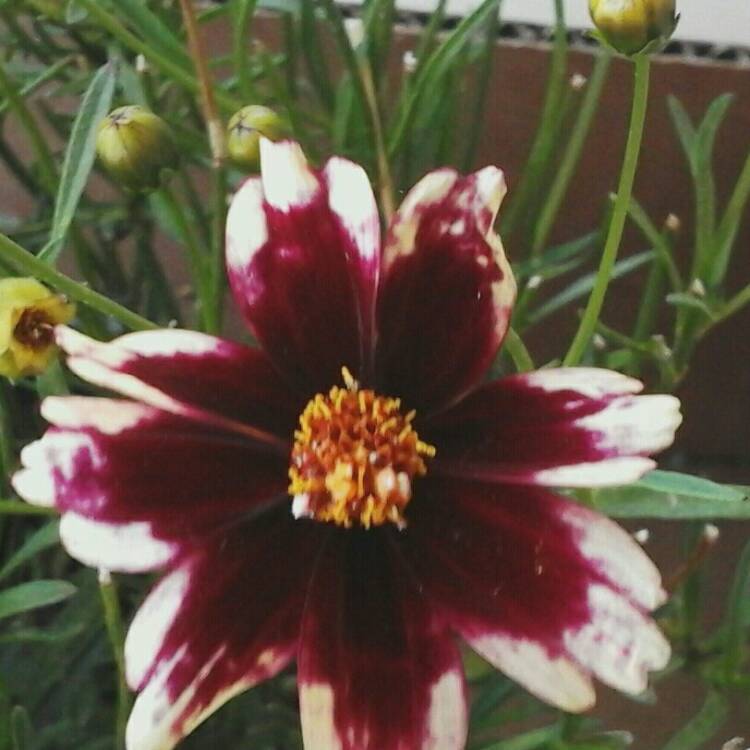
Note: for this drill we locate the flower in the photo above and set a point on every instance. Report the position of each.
(135, 146)
(353, 495)
(245, 129)
(630, 26)
(29, 313)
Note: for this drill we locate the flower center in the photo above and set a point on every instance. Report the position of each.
(34, 329)
(354, 458)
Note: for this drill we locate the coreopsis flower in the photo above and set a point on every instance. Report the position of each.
(29, 313)
(353, 495)
(630, 26)
(135, 146)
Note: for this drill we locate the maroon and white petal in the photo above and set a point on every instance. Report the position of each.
(135, 483)
(193, 375)
(446, 290)
(303, 260)
(376, 669)
(574, 427)
(548, 591)
(225, 618)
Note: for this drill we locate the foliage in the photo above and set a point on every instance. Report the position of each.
(65, 64)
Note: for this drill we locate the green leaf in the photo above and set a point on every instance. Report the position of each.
(684, 127)
(687, 484)
(44, 538)
(434, 68)
(669, 495)
(685, 299)
(79, 157)
(585, 284)
(29, 596)
(703, 726)
(152, 30)
(21, 729)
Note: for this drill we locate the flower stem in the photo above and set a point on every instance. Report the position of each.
(518, 352)
(116, 633)
(213, 286)
(17, 104)
(572, 155)
(25, 262)
(619, 214)
(19, 508)
(385, 180)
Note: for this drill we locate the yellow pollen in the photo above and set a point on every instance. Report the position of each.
(355, 457)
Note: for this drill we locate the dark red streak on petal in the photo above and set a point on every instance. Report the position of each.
(298, 295)
(499, 559)
(436, 314)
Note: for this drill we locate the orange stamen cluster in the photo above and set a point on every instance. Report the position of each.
(354, 458)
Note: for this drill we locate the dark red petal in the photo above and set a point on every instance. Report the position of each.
(191, 374)
(226, 618)
(578, 427)
(303, 258)
(447, 289)
(376, 671)
(144, 475)
(547, 590)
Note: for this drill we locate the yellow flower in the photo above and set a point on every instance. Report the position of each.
(631, 25)
(29, 313)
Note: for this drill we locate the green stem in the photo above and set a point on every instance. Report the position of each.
(572, 153)
(29, 125)
(216, 281)
(19, 508)
(116, 633)
(25, 262)
(730, 225)
(6, 440)
(549, 124)
(111, 24)
(244, 11)
(518, 352)
(617, 224)
(195, 258)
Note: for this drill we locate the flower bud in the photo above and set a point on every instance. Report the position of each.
(245, 130)
(135, 146)
(29, 313)
(630, 26)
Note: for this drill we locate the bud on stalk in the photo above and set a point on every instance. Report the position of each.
(135, 146)
(245, 130)
(631, 26)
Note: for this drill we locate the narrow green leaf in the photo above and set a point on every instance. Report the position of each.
(639, 501)
(585, 284)
(21, 729)
(79, 157)
(434, 68)
(703, 726)
(152, 30)
(738, 610)
(687, 484)
(684, 127)
(45, 537)
(703, 146)
(690, 301)
(29, 596)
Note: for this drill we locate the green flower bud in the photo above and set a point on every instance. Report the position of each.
(244, 133)
(134, 146)
(631, 26)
